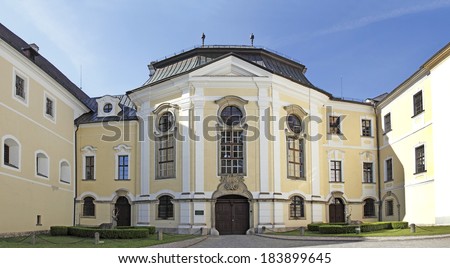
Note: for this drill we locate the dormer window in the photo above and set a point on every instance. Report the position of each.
(107, 108)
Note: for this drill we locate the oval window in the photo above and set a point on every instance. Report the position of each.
(107, 108)
(231, 115)
(294, 123)
(165, 122)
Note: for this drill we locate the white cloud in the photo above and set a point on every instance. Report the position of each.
(367, 20)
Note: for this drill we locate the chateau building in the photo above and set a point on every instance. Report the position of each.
(219, 139)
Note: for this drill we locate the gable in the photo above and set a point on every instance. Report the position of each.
(231, 66)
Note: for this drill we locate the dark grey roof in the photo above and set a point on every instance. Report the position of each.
(21, 46)
(128, 112)
(379, 97)
(201, 56)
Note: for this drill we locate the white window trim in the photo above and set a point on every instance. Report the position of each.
(121, 150)
(60, 172)
(373, 171)
(19, 153)
(414, 157)
(384, 124)
(342, 171)
(240, 103)
(385, 170)
(371, 126)
(26, 88)
(341, 126)
(53, 99)
(36, 174)
(89, 151)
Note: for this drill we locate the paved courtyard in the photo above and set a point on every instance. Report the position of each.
(254, 241)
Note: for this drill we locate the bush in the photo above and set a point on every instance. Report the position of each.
(337, 229)
(399, 225)
(375, 226)
(151, 229)
(314, 227)
(59, 230)
(129, 233)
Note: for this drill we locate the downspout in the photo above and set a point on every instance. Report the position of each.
(380, 205)
(76, 177)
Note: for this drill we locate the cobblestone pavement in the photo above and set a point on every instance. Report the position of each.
(254, 241)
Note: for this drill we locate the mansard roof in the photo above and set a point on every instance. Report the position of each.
(25, 49)
(199, 57)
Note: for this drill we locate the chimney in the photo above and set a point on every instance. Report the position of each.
(151, 68)
(34, 47)
(32, 51)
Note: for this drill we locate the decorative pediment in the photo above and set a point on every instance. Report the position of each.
(295, 109)
(231, 66)
(232, 185)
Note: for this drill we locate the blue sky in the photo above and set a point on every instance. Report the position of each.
(364, 47)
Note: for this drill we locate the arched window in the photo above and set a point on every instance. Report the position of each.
(297, 208)
(369, 207)
(88, 207)
(231, 128)
(11, 153)
(165, 207)
(64, 172)
(42, 163)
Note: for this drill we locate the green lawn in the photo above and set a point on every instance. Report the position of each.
(428, 230)
(48, 241)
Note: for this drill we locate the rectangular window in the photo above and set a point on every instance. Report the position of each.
(334, 125)
(389, 176)
(90, 166)
(296, 158)
(231, 152)
(420, 159)
(166, 157)
(417, 103)
(387, 123)
(335, 171)
(49, 107)
(6, 154)
(123, 167)
(368, 172)
(390, 208)
(366, 127)
(20, 87)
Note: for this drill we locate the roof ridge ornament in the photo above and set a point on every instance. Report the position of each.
(203, 39)
(252, 38)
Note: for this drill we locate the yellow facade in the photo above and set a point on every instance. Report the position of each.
(227, 145)
(37, 167)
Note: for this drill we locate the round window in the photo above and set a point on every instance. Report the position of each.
(294, 123)
(165, 122)
(107, 108)
(231, 115)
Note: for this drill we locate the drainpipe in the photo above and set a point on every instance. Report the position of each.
(380, 205)
(76, 177)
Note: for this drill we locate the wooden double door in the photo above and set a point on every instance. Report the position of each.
(232, 215)
(337, 211)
